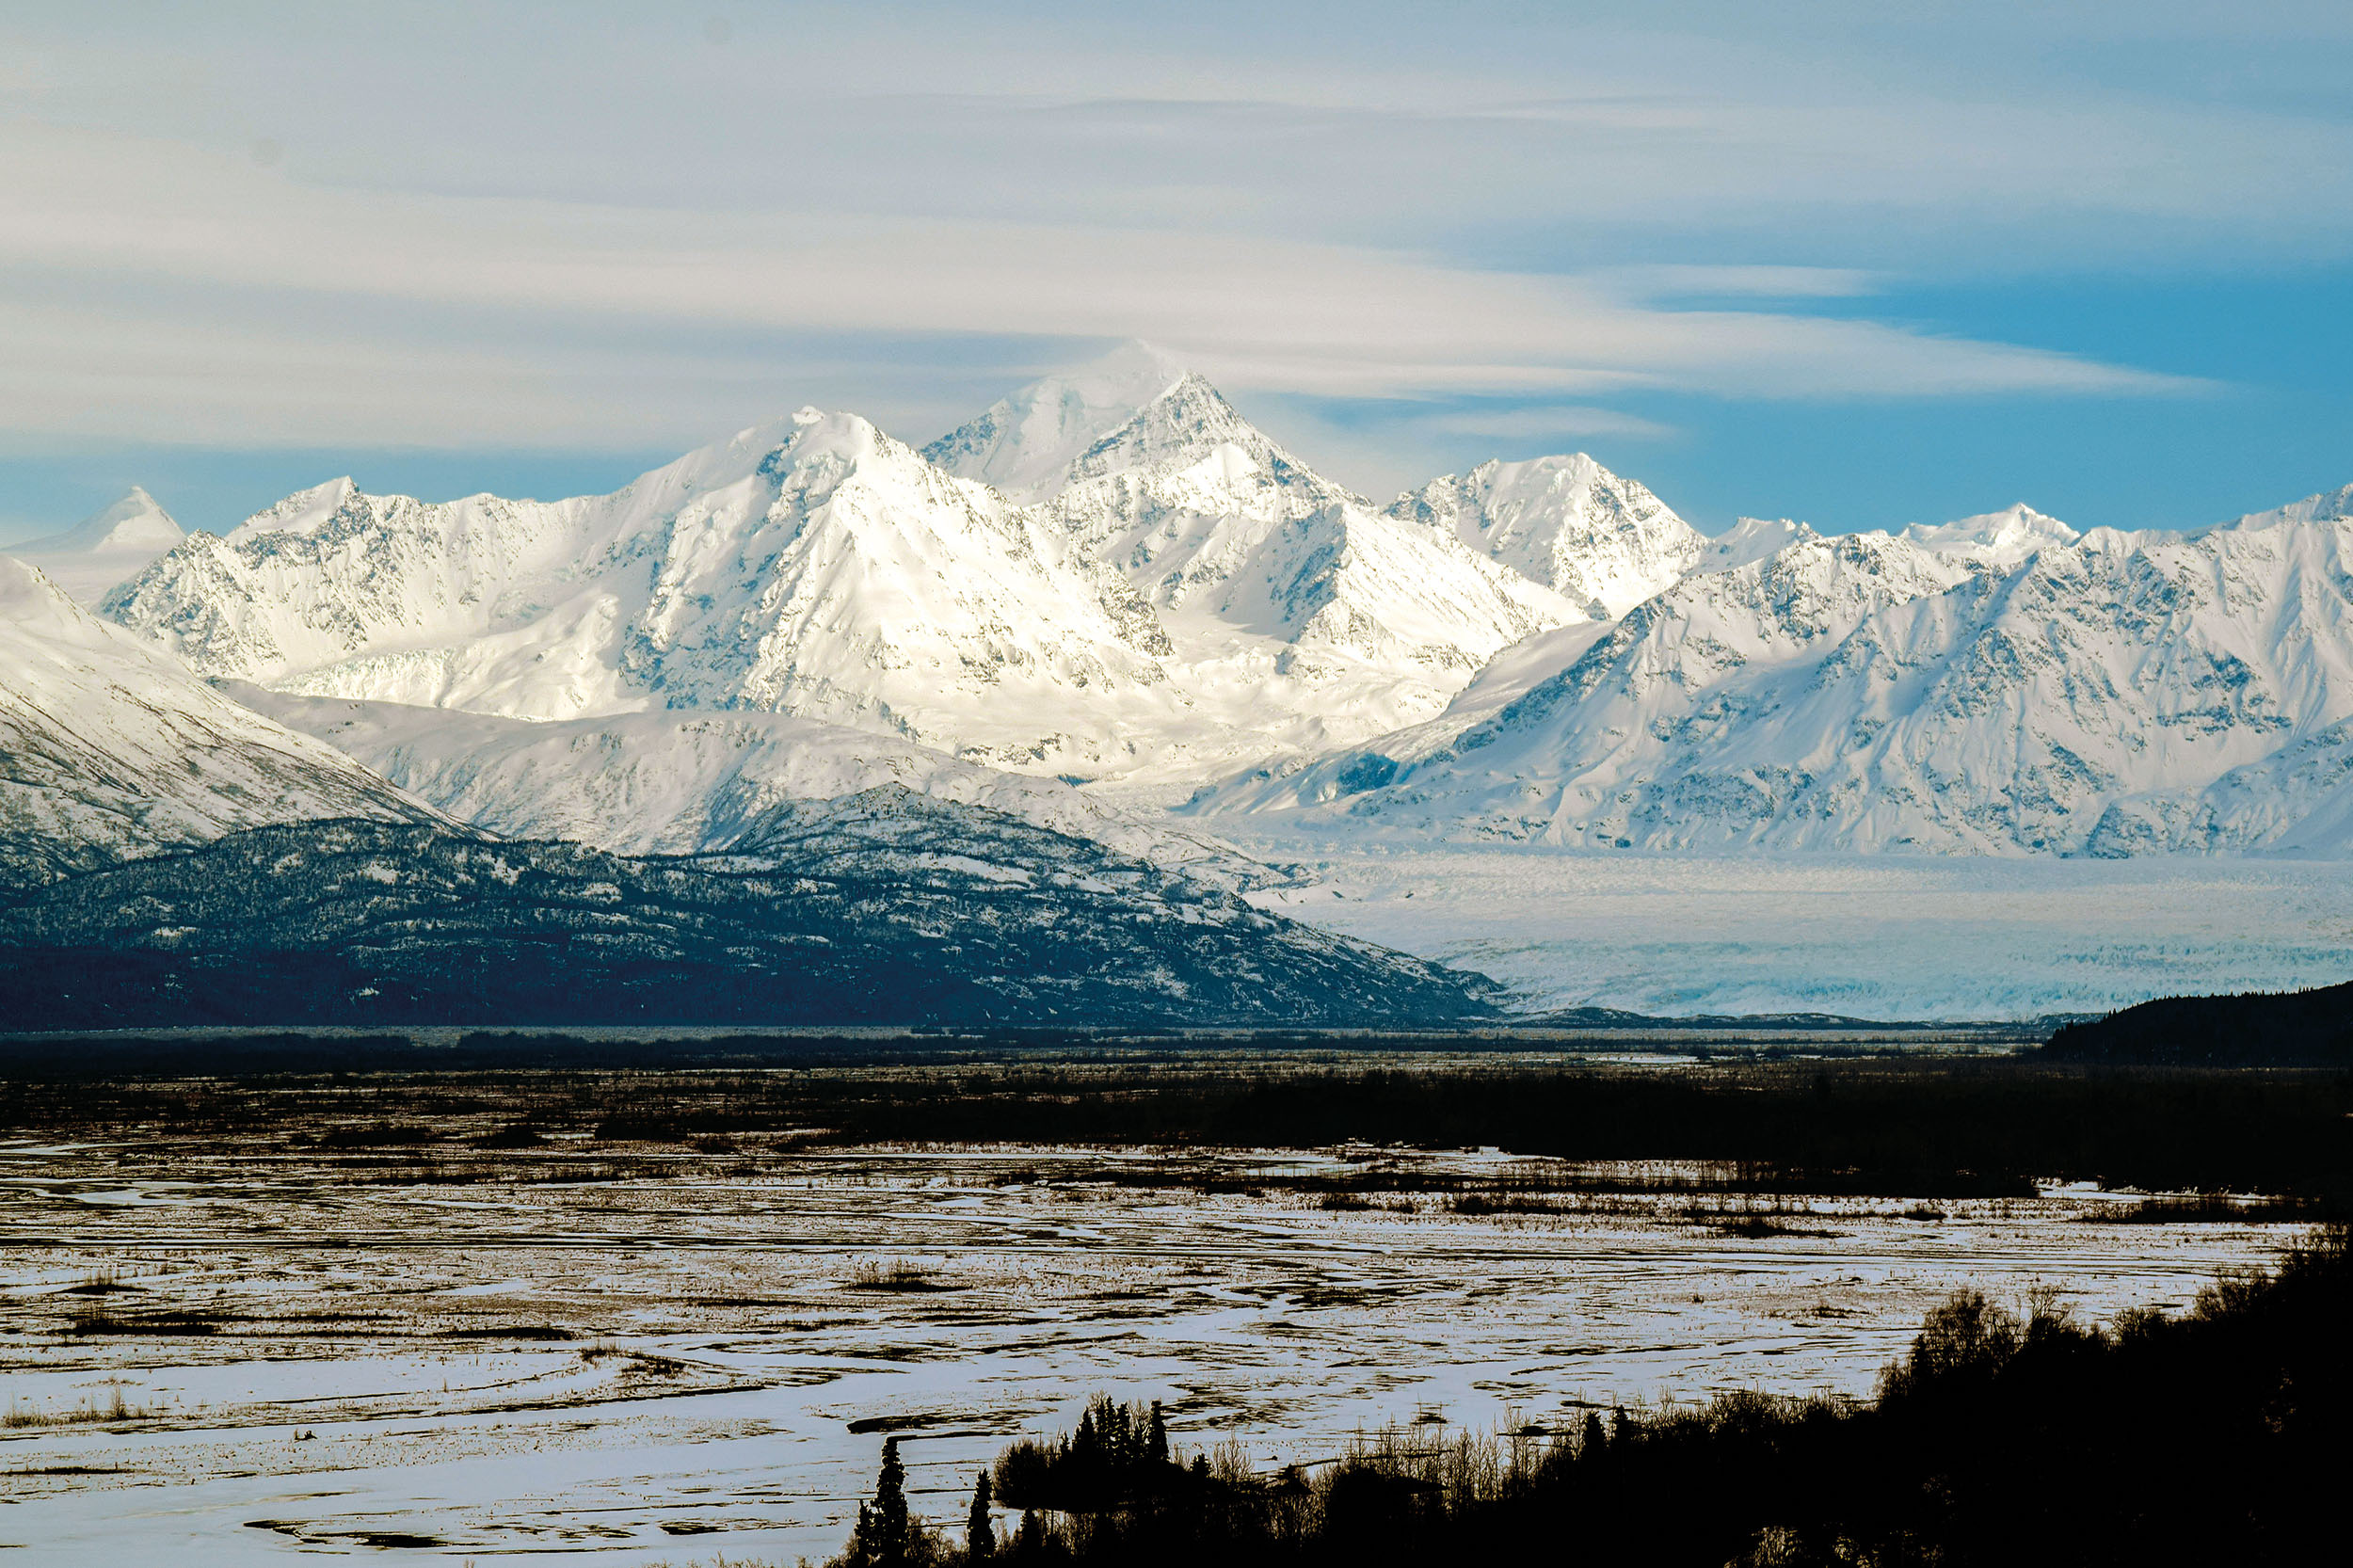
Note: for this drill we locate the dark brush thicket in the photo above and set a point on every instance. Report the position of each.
(2218, 1436)
(1906, 1129)
(2294, 1029)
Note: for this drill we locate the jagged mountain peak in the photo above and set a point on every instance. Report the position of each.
(1603, 542)
(2008, 537)
(1752, 539)
(303, 512)
(1025, 442)
(1189, 437)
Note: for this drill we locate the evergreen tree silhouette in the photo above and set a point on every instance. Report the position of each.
(980, 1536)
(882, 1529)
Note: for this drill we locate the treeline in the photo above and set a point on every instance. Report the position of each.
(1894, 1128)
(2000, 1438)
(2311, 1029)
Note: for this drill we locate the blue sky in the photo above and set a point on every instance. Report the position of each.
(1854, 263)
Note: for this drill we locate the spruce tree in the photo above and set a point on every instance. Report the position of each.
(1156, 1438)
(888, 1543)
(861, 1552)
(980, 1535)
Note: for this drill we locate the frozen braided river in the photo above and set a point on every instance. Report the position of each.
(664, 1355)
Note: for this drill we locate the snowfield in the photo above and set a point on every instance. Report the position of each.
(649, 1356)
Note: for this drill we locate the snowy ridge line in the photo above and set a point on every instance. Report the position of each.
(1112, 579)
(1998, 686)
(680, 782)
(112, 751)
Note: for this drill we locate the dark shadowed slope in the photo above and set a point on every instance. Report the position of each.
(880, 908)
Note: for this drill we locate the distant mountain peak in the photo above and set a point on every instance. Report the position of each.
(1603, 542)
(1025, 442)
(2007, 536)
(1752, 539)
(134, 523)
(104, 548)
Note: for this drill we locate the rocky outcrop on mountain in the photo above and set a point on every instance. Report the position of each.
(880, 908)
(109, 751)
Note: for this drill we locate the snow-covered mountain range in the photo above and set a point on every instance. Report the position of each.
(1109, 591)
(1187, 595)
(1997, 685)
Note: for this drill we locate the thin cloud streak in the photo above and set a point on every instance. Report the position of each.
(132, 217)
(1541, 423)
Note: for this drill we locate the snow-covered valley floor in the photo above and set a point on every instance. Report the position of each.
(1875, 937)
(645, 1354)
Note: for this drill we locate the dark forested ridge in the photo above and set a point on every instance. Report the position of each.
(2294, 1028)
(2001, 1438)
(884, 916)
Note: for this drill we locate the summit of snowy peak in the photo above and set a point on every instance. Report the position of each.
(1603, 542)
(135, 522)
(2328, 506)
(2005, 537)
(1752, 539)
(301, 512)
(1131, 376)
(106, 547)
(1196, 448)
(1025, 442)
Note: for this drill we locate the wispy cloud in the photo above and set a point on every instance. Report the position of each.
(534, 225)
(186, 263)
(1548, 423)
